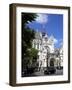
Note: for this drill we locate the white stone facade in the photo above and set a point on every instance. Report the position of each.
(46, 50)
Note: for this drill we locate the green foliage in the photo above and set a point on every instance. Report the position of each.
(29, 54)
(28, 17)
(32, 54)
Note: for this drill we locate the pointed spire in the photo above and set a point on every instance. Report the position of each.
(43, 30)
(51, 39)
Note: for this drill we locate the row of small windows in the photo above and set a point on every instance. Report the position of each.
(37, 46)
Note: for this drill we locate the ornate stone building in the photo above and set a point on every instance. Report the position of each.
(48, 55)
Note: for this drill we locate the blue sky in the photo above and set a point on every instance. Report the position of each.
(52, 24)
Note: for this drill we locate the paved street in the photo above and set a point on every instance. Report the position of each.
(59, 72)
(41, 73)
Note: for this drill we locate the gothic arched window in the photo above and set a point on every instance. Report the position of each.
(47, 48)
(37, 45)
(34, 45)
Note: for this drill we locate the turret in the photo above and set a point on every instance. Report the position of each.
(51, 40)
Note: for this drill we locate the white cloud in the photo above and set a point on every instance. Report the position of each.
(42, 18)
(55, 41)
(60, 42)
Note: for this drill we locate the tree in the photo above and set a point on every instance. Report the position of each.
(29, 54)
(32, 53)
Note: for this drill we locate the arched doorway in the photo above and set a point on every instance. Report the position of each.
(52, 62)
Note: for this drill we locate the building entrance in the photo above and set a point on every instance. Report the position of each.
(52, 62)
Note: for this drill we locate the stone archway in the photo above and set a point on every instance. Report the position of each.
(51, 61)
